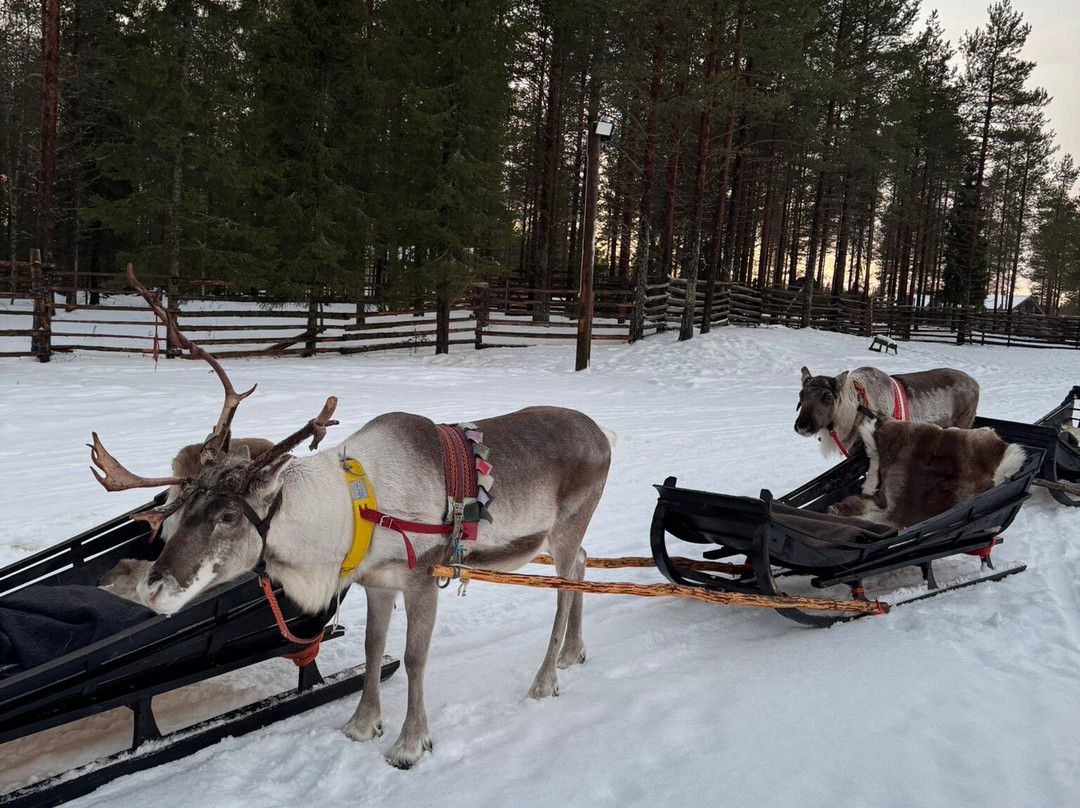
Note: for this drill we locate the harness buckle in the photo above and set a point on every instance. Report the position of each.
(459, 518)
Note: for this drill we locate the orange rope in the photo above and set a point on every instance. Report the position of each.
(305, 655)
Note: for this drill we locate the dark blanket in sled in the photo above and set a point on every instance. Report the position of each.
(40, 623)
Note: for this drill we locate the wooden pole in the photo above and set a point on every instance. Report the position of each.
(588, 250)
(645, 562)
(1068, 488)
(660, 591)
(41, 342)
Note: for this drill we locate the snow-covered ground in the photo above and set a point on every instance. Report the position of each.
(970, 699)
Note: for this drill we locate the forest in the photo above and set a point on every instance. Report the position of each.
(420, 147)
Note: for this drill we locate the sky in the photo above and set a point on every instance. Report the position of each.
(1054, 44)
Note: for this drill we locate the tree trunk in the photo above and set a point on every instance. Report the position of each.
(50, 55)
(641, 260)
(717, 250)
(692, 257)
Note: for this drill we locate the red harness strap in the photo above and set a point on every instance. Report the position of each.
(865, 402)
(401, 525)
(899, 397)
(459, 469)
(461, 484)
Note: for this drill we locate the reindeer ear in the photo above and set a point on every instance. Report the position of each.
(268, 479)
(242, 452)
(839, 381)
(806, 375)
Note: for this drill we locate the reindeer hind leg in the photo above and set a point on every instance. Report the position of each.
(565, 647)
(573, 646)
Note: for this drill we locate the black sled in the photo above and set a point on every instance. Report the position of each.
(228, 628)
(773, 538)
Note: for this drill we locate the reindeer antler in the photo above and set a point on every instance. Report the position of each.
(315, 428)
(118, 478)
(217, 441)
(156, 516)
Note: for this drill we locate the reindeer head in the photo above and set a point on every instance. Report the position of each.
(817, 402)
(222, 509)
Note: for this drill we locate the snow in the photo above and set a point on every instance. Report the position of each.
(969, 699)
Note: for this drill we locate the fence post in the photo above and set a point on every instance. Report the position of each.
(41, 342)
(312, 325)
(172, 305)
(481, 311)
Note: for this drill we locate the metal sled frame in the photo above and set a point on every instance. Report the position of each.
(228, 628)
(746, 526)
(1061, 462)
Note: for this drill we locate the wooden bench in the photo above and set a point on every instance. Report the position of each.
(881, 342)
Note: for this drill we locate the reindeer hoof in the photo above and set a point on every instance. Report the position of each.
(543, 688)
(363, 730)
(404, 755)
(570, 656)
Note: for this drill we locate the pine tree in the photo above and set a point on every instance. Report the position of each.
(442, 205)
(176, 162)
(1055, 259)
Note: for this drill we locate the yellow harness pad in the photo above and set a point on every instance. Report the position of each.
(363, 496)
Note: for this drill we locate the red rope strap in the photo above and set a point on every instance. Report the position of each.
(839, 445)
(305, 655)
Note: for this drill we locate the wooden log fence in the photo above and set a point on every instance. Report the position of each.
(44, 311)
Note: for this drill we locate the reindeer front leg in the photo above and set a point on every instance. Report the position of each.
(366, 722)
(421, 601)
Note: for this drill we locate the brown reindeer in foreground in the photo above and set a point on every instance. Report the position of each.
(550, 466)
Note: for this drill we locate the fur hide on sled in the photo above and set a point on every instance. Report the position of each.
(920, 470)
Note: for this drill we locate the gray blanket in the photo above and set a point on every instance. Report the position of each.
(40, 623)
(827, 527)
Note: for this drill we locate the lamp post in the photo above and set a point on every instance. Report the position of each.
(599, 132)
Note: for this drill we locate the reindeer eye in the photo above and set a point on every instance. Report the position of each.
(228, 517)
(827, 398)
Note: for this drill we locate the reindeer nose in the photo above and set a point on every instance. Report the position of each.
(153, 578)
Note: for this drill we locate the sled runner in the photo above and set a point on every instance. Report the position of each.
(793, 536)
(1061, 462)
(229, 628)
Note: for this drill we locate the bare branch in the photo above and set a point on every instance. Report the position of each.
(118, 478)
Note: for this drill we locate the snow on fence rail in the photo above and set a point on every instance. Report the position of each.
(44, 312)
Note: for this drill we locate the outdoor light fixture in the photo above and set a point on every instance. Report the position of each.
(603, 129)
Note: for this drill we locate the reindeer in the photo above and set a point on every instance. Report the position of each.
(829, 407)
(294, 517)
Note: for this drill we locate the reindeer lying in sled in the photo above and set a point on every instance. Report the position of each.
(299, 519)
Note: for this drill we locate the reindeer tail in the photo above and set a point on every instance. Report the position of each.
(612, 438)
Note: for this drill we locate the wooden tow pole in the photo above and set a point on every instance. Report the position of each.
(1068, 488)
(659, 591)
(623, 562)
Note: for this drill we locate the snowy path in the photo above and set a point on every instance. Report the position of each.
(971, 699)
